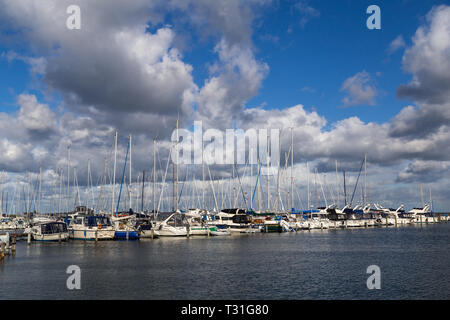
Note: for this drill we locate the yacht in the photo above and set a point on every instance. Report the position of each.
(391, 216)
(171, 224)
(369, 217)
(124, 227)
(316, 219)
(50, 231)
(280, 223)
(344, 218)
(421, 215)
(200, 224)
(197, 225)
(233, 220)
(13, 225)
(91, 228)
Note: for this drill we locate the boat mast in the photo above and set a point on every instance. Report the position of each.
(114, 173)
(345, 190)
(173, 178)
(213, 191)
(421, 195)
(129, 188)
(279, 202)
(307, 179)
(176, 169)
(142, 193)
(122, 180)
(365, 179)
(87, 189)
(68, 179)
(259, 185)
(337, 185)
(268, 180)
(60, 191)
(1, 199)
(323, 190)
(316, 195)
(40, 183)
(431, 202)
(203, 177)
(251, 176)
(28, 193)
(75, 184)
(154, 177)
(292, 169)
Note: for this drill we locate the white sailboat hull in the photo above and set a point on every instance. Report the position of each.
(169, 231)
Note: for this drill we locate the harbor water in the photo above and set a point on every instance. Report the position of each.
(322, 264)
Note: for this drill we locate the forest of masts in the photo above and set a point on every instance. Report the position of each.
(194, 186)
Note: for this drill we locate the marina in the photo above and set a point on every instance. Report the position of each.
(224, 150)
(103, 216)
(184, 247)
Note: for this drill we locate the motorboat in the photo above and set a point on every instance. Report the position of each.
(233, 220)
(422, 215)
(197, 224)
(124, 227)
(146, 230)
(50, 231)
(91, 228)
(315, 219)
(369, 217)
(171, 224)
(12, 225)
(390, 216)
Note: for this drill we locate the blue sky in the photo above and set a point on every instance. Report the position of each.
(316, 57)
(324, 52)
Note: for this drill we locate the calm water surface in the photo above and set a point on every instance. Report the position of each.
(329, 264)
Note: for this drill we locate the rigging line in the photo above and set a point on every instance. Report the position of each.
(240, 185)
(354, 190)
(121, 182)
(182, 187)
(257, 179)
(163, 182)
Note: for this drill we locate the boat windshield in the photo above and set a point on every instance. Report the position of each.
(94, 221)
(177, 220)
(53, 227)
(241, 218)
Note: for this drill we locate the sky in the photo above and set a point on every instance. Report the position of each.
(138, 66)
